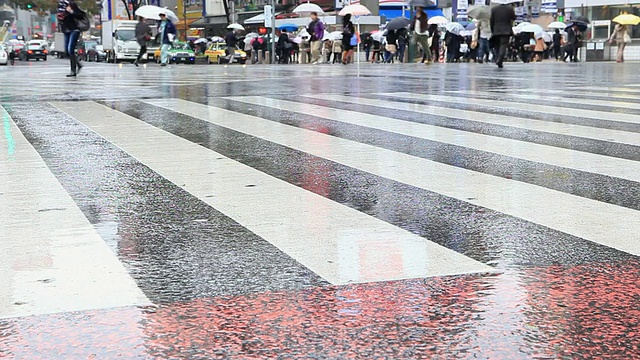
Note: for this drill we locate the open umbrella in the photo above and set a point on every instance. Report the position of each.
(504, 2)
(557, 25)
(627, 19)
(377, 35)
(582, 19)
(355, 10)
(153, 12)
(531, 28)
(422, 3)
(480, 12)
(235, 26)
(217, 39)
(454, 28)
(308, 8)
(398, 23)
(288, 27)
(440, 20)
(470, 26)
(201, 40)
(545, 36)
(335, 35)
(581, 26)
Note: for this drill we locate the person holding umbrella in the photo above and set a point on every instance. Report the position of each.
(232, 41)
(502, 18)
(167, 32)
(622, 38)
(316, 30)
(573, 41)
(348, 30)
(420, 29)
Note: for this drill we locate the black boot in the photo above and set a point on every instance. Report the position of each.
(74, 65)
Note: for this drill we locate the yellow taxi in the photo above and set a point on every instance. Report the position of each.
(217, 54)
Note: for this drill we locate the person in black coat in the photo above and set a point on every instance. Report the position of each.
(502, 18)
(573, 43)
(69, 13)
(284, 47)
(348, 30)
(557, 44)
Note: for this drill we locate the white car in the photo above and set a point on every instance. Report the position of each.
(4, 56)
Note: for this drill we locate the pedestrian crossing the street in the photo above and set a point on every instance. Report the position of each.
(319, 189)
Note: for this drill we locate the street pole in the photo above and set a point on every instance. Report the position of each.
(184, 13)
(273, 31)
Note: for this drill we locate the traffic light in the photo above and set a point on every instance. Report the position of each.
(30, 6)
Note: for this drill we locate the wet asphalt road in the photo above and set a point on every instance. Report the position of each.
(398, 211)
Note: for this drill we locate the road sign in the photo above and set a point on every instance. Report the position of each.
(268, 15)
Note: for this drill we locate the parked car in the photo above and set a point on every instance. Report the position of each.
(4, 55)
(178, 53)
(96, 54)
(217, 53)
(35, 50)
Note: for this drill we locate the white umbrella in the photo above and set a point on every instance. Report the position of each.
(355, 10)
(252, 35)
(545, 36)
(217, 39)
(557, 25)
(235, 26)
(377, 35)
(530, 28)
(297, 40)
(336, 35)
(440, 20)
(201, 40)
(454, 28)
(153, 12)
(308, 8)
(504, 2)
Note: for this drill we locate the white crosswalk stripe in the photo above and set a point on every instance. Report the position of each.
(281, 213)
(317, 231)
(555, 110)
(517, 122)
(562, 99)
(621, 168)
(585, 218)
(61, 264)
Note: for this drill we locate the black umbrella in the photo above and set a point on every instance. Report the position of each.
(581, 26)
(422, 3)
(398, 23)
(582, 19)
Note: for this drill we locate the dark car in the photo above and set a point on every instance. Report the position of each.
(34, 50)
(94, 51)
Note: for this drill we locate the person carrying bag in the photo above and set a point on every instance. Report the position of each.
(622, 38)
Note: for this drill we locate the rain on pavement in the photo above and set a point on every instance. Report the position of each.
(385, 211)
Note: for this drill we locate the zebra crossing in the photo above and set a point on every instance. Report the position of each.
(335, 189)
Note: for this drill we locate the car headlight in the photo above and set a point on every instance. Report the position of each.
(119, 48)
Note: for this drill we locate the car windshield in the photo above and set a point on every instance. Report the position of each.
(36, 43)
(90, 44)
(182, 46)
(125, 35)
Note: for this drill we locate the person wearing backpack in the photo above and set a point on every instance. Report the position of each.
(69, 14)
(316, 30)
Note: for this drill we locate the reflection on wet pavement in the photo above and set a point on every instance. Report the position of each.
(256, 213)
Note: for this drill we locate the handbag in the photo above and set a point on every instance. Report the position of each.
(83, 23)
(354, 40)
